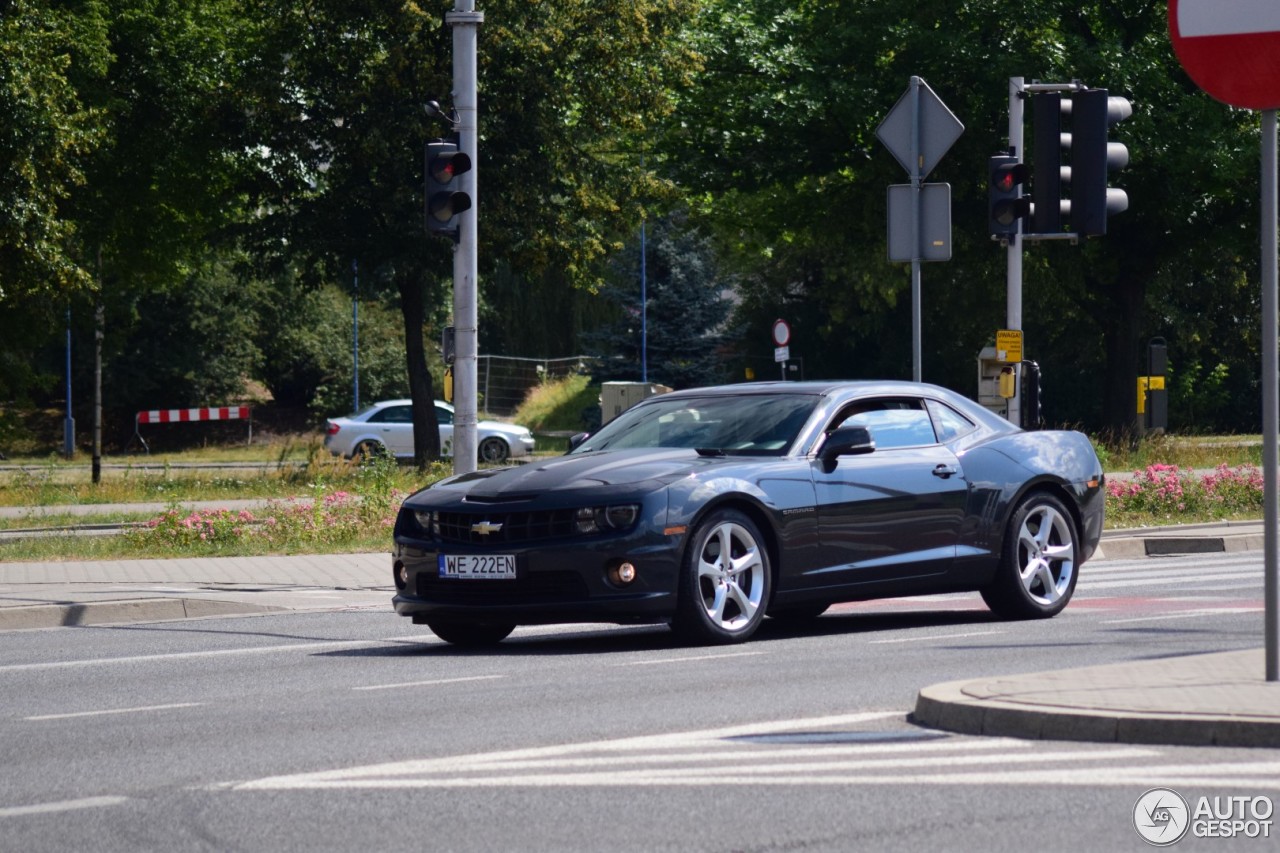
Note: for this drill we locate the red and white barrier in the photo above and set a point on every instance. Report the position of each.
(166, 416)
(204, 413)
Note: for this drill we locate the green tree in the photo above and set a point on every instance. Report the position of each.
(338, 112)
(778, 139)
(682, 325)
(48, 133)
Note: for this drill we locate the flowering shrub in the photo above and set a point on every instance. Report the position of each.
(330, 518)
(1165, 492)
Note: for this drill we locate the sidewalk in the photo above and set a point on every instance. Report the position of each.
(1213, 699)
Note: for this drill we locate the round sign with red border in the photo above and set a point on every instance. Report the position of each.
(781, 333)
(1230, 48)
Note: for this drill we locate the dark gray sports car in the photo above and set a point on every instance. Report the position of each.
(711, 508)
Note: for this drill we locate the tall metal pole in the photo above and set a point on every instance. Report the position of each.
(69, 425)
(644, 307)
(465, 21)
(1270, 392)
(916, 169)
(1013, 280)
(355, 336)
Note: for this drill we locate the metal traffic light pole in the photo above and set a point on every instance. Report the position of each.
(1013, 275)
(465, 21)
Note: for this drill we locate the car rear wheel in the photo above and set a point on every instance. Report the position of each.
(494, 450)
(471, 633)
(368, 451)
(725, 581)
(1037, 572)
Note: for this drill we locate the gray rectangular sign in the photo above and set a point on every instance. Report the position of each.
(935, 223)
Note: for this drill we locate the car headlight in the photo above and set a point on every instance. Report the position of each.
(594, 519)
(425, 521)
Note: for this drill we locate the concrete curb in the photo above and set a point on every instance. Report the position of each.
(1215, 699)
(123, 612)
(946, 707)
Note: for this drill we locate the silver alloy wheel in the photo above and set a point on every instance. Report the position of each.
(1046, 554)
(493, 450)
(731, 576)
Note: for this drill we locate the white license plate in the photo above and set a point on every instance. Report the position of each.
(478, 566)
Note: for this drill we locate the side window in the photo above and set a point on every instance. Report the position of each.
(950, 423)
(444, 417)
(893, 422)
(393, 415)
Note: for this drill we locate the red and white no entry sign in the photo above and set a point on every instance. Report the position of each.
(1231, 48)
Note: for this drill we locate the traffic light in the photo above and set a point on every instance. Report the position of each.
(1093, 157)
(1006, 204)
(1048, 172)
(444, 164)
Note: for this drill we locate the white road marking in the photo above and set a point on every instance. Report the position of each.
(1186, 614)
(139, 710)
(1167, 581)
(211, 653)
(63, 806)
(433, 683)
(937, 637)
(733, 755)
(689, 658)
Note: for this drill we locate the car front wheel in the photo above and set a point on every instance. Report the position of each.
(471, 633)
(724, 584)
(494, 450)
(1037, 572)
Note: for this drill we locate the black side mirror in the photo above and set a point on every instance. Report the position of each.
(576, 440)
(846, 441)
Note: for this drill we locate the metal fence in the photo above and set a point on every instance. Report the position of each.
(503, 380)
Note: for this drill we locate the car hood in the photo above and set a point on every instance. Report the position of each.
(614, 470)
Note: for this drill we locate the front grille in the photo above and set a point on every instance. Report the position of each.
(543, 587)
(513, 527)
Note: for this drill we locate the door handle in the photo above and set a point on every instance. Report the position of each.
(944, 471)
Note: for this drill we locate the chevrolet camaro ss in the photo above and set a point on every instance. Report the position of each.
(711, 508)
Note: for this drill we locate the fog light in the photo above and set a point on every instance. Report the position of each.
(623, 574)
(402, 577)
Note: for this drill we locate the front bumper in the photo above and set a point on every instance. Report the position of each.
(560, 581)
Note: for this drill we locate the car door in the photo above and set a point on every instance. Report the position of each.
(894, 513)
(394, 427)
(444, 416)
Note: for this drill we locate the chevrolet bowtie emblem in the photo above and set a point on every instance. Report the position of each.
(484, 528)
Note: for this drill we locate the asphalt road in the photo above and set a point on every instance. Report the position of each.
(356, 730)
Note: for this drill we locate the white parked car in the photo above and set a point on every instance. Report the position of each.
(388, 427)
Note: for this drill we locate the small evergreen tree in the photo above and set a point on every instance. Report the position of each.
(682, 322)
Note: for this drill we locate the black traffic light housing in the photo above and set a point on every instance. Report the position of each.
(444, 165)
(1049, 174)
(1005, 203)
(1094, 157)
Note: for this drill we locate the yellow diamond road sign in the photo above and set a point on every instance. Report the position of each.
(1009, 345)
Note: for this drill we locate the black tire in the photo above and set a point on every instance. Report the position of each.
(471, 634)
(368, 451)
(494, 451)
(797, 612)
(717, 603)
(1037, 572)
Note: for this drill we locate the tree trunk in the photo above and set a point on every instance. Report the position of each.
(426, 427)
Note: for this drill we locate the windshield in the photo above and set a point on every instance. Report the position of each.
(754, 424)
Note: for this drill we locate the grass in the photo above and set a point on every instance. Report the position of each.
(559, 406)
(314, 502)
